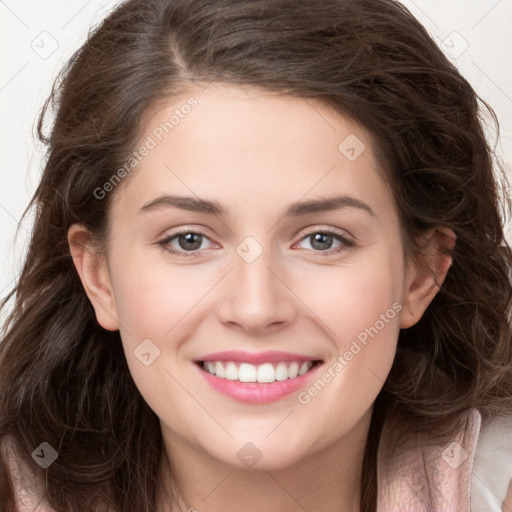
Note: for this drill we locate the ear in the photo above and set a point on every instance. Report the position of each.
(424, 279)
(91, 265)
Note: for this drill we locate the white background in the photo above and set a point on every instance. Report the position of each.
(37, 37)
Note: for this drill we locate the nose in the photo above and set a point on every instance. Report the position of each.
(255, 296)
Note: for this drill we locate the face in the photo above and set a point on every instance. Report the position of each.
(284, 251)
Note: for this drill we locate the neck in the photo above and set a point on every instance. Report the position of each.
(328, 479)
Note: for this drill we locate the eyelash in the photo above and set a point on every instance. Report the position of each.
(345, 242)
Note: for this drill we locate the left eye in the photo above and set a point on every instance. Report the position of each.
(191, 241)
(188, 241)
(321, 239)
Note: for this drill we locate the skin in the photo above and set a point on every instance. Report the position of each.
(255, 153)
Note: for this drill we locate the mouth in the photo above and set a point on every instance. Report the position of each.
(258, 383)
(265, 373)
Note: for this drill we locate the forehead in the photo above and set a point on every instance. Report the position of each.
(262, 148)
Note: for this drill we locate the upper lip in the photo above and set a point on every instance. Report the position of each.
(241, 356)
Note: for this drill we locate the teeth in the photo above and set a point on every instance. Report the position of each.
(281, 372)
(264, 373)
(247, 373)
(219, 370)
(231, 371)
(293, 370)
(303, 369)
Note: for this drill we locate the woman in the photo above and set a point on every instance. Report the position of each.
(370, 369)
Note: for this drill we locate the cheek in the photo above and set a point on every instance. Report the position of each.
(362, 312)
(151, 305)
(151, 298)
(156, 305)
(360, 307)
(352, 298)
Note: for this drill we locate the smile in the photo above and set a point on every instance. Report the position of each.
(258, 382)
(263, 373)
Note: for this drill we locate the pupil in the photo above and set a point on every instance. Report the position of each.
(317, 238)
(190, 238)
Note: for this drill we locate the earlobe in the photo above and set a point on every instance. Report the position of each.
(93, 271)
(423, 281)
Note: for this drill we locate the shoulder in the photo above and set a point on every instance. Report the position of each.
(27, 492)
(470, 471)
(491, 480)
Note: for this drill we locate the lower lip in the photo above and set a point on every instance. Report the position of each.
(256, 392)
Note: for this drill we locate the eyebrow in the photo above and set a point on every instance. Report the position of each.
(296, 209)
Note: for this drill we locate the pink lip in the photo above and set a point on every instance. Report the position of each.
(241, 356)
(256, 392)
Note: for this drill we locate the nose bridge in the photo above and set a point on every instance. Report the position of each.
(254, 296)
(256, 283)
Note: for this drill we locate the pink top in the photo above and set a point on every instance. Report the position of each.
(471, 473)
(458, 476)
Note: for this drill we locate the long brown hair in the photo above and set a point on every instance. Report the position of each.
(65, 380)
